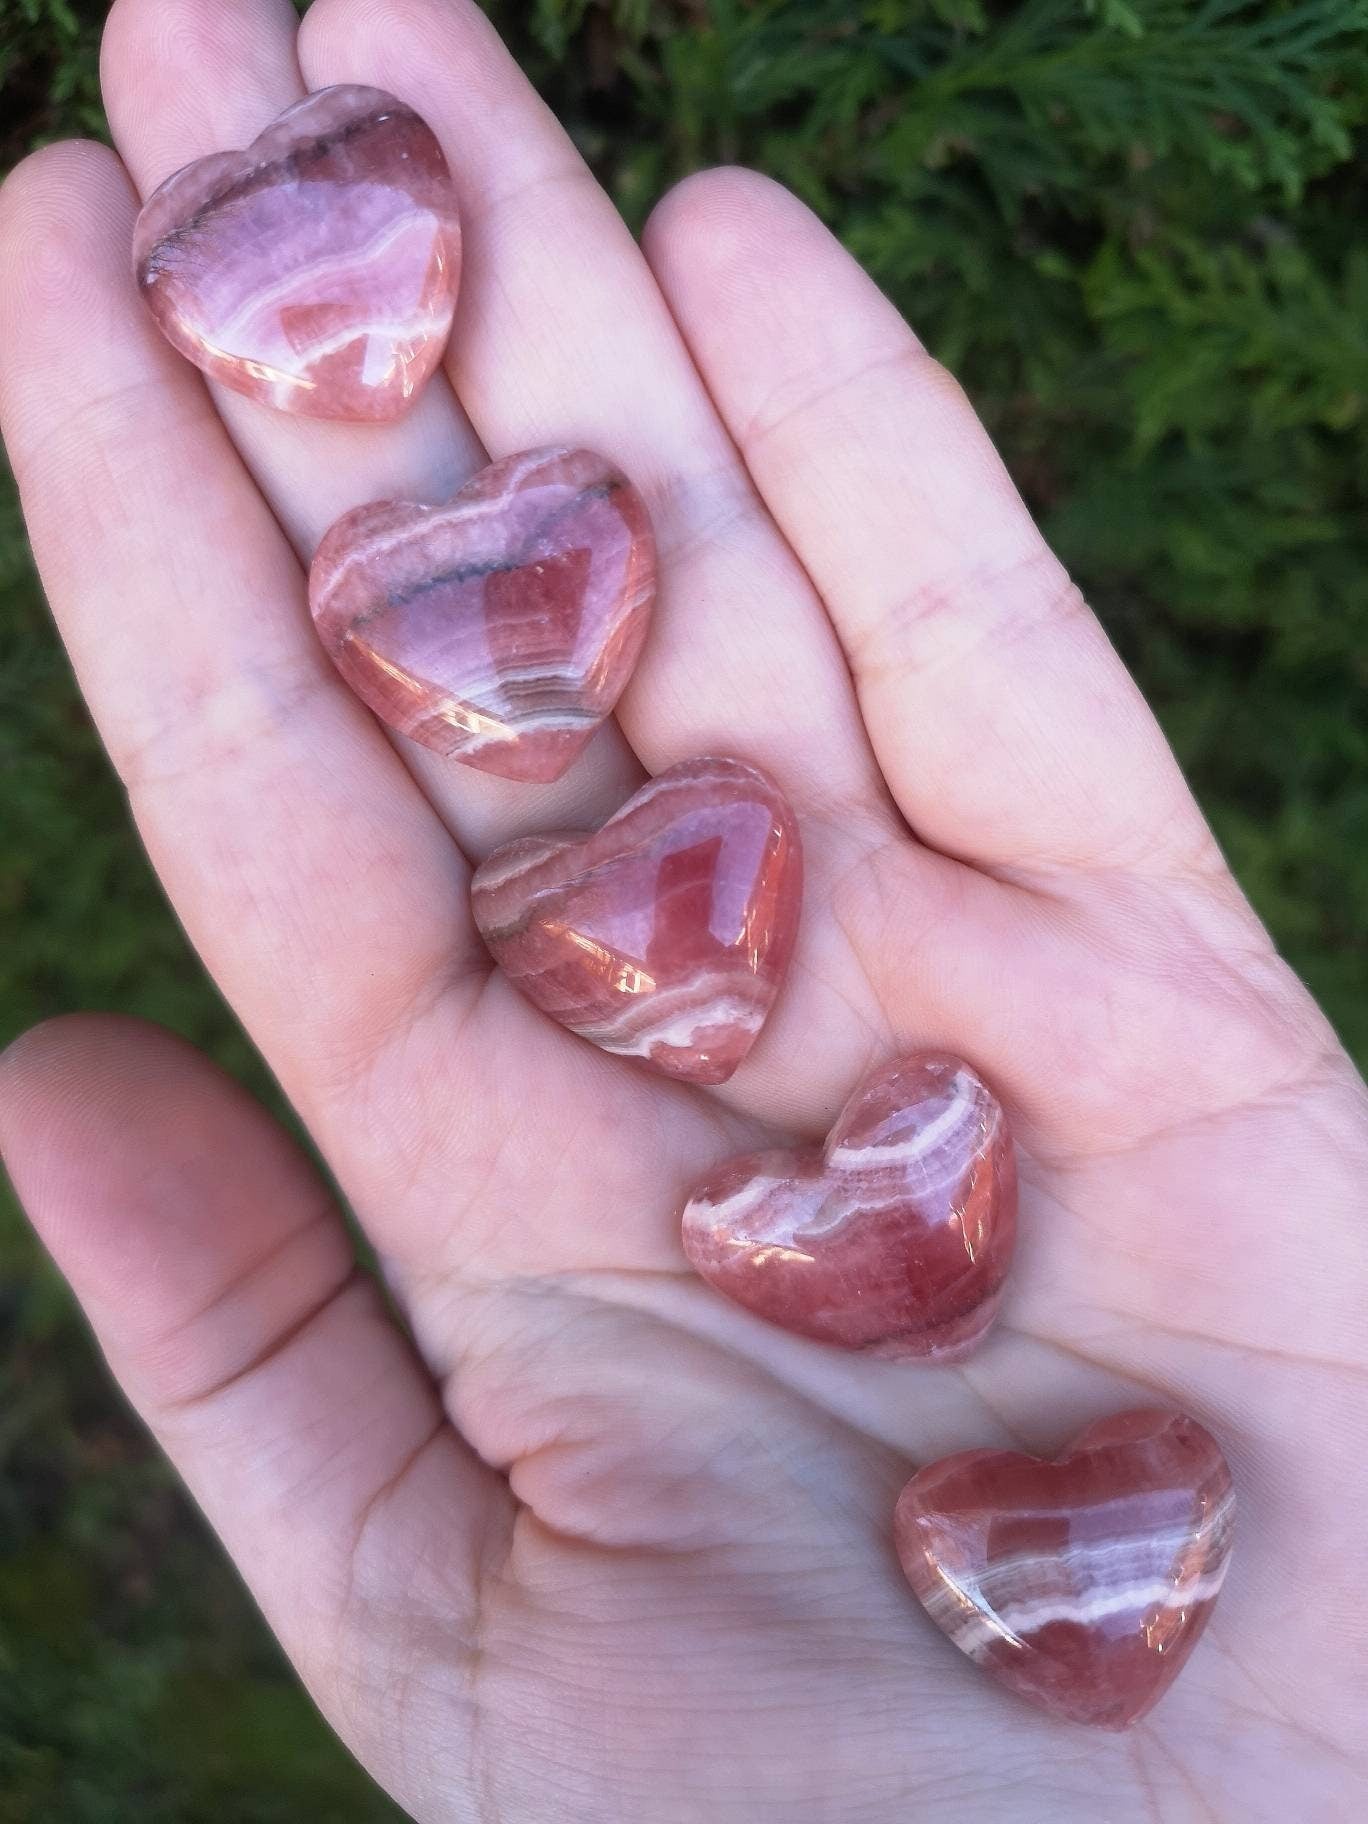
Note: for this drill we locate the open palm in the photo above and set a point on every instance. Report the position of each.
(588, 1544)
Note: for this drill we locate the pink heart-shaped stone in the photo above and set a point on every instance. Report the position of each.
(894, 1238)
(665, 935)
(1084, 1583)
(500, 628)
(316, 270)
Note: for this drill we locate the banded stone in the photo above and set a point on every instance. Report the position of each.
(316, 270)
(1083, 1584)
(894, 1238)
(500, 628)
(664, 935)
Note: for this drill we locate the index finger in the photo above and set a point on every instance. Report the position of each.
(290, 838)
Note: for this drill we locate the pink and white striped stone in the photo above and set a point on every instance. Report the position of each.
(500, 628)
(1083, 1584)
(317, 269)
(664, 935)
(895, 1238)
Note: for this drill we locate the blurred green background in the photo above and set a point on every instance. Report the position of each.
(1132, 230)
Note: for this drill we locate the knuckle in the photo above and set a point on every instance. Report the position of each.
(950, 612)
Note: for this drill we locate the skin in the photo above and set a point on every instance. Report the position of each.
(580, 1542)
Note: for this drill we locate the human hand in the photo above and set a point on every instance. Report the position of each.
(594, 1545)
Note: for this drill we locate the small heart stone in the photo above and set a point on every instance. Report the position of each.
(1083, 1584)
(500, 628)
(894, 1238)
(664, 935)
(316, 270)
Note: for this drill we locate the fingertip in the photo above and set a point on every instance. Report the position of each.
(738, 234)
(115, 1076)
(339, 38)
(68, 1088)
(719, 220)
(65, 168)
(157, 1184)
(162, 40)
(719, 191)
(747, 265)
(102, 1112)
(66, 279)
(66, 1081)
(53, 205)
(137, 27)
(40, 1068)
(182, 78)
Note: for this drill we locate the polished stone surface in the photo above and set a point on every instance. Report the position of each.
(664, 935)
(894, 1238)
(316, 270)
(500, 628)
(1084, 1583)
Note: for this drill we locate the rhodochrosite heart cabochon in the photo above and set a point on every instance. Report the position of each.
(1083, 1584)
(894, 1238)
(664, 935)
(316, 270)
(499, 628)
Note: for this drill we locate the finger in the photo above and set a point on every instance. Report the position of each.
(290, 839)
(222, 1286)
(1008, 729)
(185, 78)
(562, 335)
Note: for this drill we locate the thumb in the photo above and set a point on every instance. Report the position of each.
(222, 1285)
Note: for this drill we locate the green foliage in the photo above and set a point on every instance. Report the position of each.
(1129, 226)
(48, 70)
